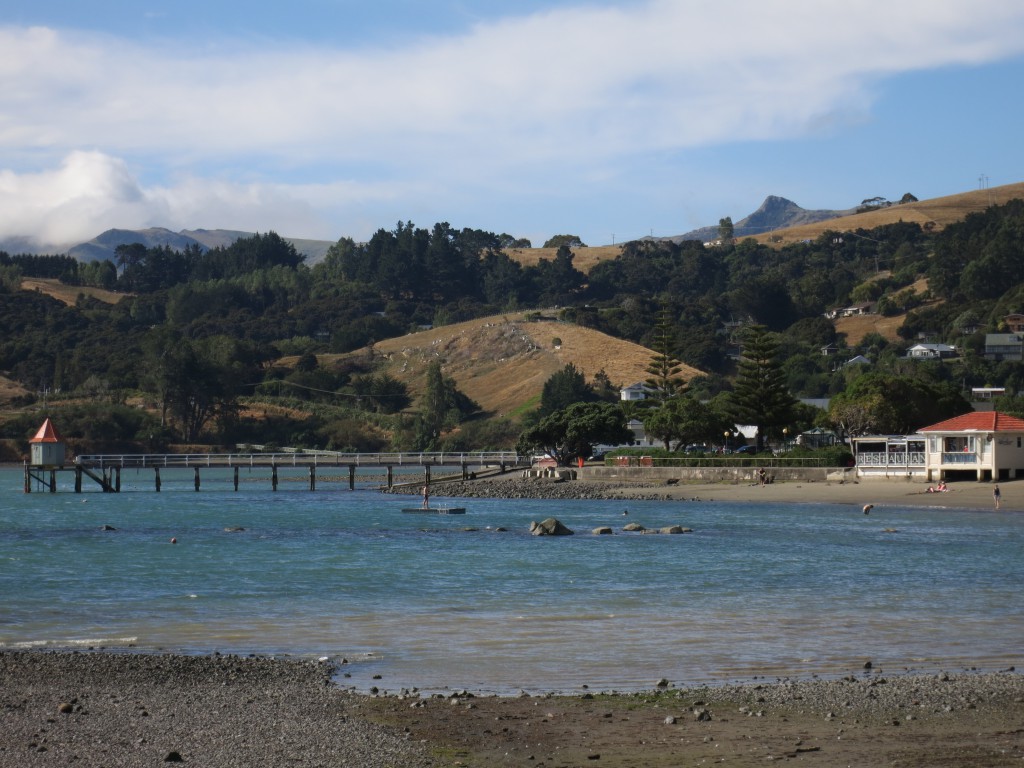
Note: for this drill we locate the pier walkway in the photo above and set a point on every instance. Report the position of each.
(105, 469)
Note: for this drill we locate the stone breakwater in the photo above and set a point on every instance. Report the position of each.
(542, 488)
(120, 709)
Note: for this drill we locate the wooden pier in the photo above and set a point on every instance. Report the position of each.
(105, 469)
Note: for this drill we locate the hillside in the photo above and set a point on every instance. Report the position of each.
(935, 214)
(69, 293)
(502, 362)
(9, 390)
(584, 259)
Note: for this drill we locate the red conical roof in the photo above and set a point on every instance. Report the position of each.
(47, 434)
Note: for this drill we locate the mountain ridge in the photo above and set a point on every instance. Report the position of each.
(774, 213)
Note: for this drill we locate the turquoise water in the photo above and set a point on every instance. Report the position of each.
(757, 589)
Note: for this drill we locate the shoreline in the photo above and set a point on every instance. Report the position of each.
(127, 709)
(880, 493)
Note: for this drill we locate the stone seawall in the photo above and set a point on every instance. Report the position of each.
(661, 475)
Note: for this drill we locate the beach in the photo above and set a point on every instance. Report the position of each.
(104, 709)
(121, 708)
(877, 492)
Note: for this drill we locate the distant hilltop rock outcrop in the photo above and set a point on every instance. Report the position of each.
(775, 213)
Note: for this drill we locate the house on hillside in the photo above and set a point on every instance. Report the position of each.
(986, 393)
(1014, 322)
(1004, 346)
(982, 446)
(635, 392)
(856, 309)
(931, 352)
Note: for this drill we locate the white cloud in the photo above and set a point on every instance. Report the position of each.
(524, 96)
(91, 192)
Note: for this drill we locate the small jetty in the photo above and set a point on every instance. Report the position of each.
(49, 457)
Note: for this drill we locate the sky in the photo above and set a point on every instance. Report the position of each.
(609, 119)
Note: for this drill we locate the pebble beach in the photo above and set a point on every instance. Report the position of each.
(107, 709)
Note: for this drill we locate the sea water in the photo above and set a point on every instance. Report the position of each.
(453, 601)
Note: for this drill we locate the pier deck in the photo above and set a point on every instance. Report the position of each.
(105, 469)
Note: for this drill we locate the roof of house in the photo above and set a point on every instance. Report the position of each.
(978, 421)
(935, 347)
(47, 434)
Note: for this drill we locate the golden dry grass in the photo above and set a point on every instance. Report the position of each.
(502, 362)
(584, 259)
(936, 213)
(859, 326)
(10, 390)
(68, 293)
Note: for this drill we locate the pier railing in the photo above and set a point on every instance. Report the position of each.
(302, 459)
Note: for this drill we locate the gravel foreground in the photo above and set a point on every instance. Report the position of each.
(131, 710)
(866, 720)
(124, 709)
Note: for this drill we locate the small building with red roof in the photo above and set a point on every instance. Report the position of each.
(988, 444)
(985, 445)
(47, 448)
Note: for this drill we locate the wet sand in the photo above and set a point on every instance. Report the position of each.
(113, 710)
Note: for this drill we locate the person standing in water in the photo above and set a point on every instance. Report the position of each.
(426, 496)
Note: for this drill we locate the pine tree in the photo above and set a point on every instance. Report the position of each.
(760, 396)
(564, 388)
(663, 370)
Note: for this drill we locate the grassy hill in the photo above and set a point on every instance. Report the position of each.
(68, 293)
(584, 259)
(936, 214)
(502, 362)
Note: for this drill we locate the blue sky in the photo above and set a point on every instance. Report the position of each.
(609, 120)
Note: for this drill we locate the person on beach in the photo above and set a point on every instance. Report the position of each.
(761, 477)
(996, 496)
(426, 496)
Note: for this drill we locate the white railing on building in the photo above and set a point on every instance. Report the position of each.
(891, 459)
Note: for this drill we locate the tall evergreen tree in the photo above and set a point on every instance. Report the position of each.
(663, 370)
(760, 396)
(563, 388)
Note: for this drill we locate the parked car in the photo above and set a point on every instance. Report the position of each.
(751, 450)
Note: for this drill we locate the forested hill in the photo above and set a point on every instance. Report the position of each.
(204, 332)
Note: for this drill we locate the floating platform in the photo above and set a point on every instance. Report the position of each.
(434, 510)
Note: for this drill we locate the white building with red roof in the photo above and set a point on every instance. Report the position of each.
(988, 444)
(985, 445)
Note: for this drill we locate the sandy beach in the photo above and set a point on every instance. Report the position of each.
(124, 709)
(877, 492)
